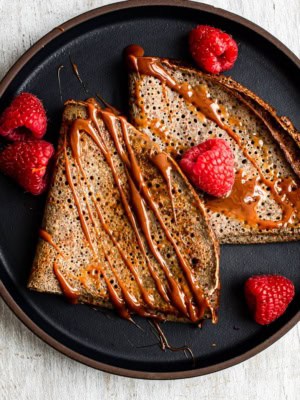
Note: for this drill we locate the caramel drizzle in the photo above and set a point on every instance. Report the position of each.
(83, 223)
(245, 196)
(290, 189)
(87, 126)
(174, 292)
(71, 293)
(130, 302)
(157, 128)
(76, 150)
(116, 300)
(232, 206)
(199, 97)
(142, 187)
(49, 239)
(161, 162)
(142, 214)
(155, 124)
(140, 120)
(75, 144)
(74, 141)
(119, 304)
(129, 299)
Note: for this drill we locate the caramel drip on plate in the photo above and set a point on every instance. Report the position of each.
(164, 343)
(200, 98)
(59, 82)
(108, 106)
(71, 294)
(77, 74)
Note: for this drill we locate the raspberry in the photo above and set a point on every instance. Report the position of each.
(268, 296)
(24, 118)
(210, 167)
(212, 49)
(27, 163)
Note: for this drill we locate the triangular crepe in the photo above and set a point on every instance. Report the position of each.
(179, 107)
(123, 228)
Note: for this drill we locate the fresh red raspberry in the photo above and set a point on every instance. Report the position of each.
(268, 296)
(210, 167)
(27, 162)
(212, 49)
(24, 118)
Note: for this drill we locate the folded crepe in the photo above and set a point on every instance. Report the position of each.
(123, 228)
(178, 107)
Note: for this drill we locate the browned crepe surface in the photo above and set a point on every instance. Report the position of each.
(272, 143)
(84, 269)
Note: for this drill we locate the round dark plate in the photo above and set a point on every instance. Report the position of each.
(100, 339)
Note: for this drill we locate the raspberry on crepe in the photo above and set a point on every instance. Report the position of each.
(210, 167)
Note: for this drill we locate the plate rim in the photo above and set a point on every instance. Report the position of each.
(7, 297)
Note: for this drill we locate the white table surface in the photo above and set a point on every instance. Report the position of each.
(30, 369)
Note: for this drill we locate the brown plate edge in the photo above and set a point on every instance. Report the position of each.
(4, 292)
(134, 373)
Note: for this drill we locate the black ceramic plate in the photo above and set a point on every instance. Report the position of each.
(95, 42)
